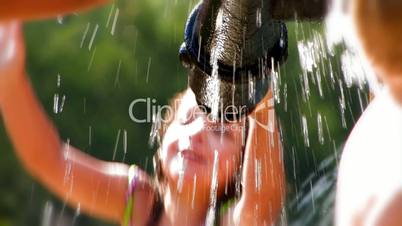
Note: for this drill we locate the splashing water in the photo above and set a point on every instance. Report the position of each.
(60, 19)
(58, 103)
(116, 15)
(76, 214)
(258, 19)
(84, 35)
(257, 169)
(47, 214)
(194, 191)
(148, 69)
(342, 104)
(91, 42)
(213, 195)
(117, 78)
(276, 83)
(58, 100)
(215, 83)
(116, 144)
(92, 59)
(305, 131)
(308, 55)
(285, 97)
(251, 87)
(90, 136)
(154, 136)
(110, 16)
(125, 142)
(321, 138)
(353, 69)
(313, 55)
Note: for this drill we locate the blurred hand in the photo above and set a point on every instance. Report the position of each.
(12, 52)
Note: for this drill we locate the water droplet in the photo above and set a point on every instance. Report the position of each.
(320, 129)
(110, 16)
(56, 103)
(258, 19)
(213, 195)
(116, 144)
(84, 35)
(47, 214)
(125, 142)
(149, 68)
(117, 78)
(58, 80)
(116, 15)
(257, 172)
(305, 131)
(91, 42)
(92, 59)
(194, 191)
(60, 19)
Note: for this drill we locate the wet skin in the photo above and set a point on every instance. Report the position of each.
(370, 177)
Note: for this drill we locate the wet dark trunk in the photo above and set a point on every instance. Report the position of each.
(237, 42)
(244, 29)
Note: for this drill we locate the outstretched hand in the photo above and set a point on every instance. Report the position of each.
(12, 53)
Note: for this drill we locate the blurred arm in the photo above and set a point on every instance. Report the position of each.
(263, 173)
(368, 195)
(39, 9)
(97, 187)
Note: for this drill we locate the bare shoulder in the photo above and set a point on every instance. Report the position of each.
(370, 172)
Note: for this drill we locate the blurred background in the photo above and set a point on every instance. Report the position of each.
(87, 68)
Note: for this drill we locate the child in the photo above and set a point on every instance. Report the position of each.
(198, 161)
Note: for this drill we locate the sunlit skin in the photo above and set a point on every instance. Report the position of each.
(369, 189)
(40, 9)
(47, 158)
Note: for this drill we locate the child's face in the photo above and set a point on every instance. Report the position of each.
(189, 146)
